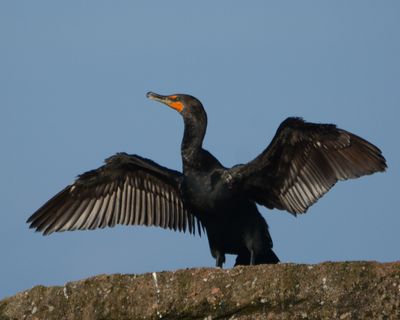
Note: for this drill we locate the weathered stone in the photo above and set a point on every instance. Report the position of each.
(347, 290)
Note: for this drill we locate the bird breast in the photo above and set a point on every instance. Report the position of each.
(206, 191)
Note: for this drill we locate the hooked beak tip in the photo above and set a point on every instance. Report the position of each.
(149, 95)
(155, 96)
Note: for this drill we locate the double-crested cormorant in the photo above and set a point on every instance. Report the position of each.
(303, 161)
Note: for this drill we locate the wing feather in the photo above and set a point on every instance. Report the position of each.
(128, 190)
(302, 163)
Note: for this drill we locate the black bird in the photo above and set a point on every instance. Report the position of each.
(303, 161)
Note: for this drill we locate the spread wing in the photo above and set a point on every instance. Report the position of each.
(127, 189)
(303, 161)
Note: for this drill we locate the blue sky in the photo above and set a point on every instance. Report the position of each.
(73, 80)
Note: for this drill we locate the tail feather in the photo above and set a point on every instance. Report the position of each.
(269, 257)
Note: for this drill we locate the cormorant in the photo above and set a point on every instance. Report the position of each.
(303, 161)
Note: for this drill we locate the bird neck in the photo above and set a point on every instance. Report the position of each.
(193, 137)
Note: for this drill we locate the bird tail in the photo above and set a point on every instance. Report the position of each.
(269, 257)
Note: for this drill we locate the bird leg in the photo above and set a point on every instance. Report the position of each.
(252, 258)
(219, 259)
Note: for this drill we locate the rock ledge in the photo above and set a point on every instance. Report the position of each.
(344, 290)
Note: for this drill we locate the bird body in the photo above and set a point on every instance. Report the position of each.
(303, 161)
(232, 222)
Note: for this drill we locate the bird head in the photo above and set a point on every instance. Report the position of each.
(183, 103)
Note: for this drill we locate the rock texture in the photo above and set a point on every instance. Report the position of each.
(347, 290)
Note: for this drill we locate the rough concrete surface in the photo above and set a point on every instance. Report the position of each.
(344, 290)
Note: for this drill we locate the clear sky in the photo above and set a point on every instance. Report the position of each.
(73, 79)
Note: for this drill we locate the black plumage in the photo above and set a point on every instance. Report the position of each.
(303, 161)
(128, 190)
